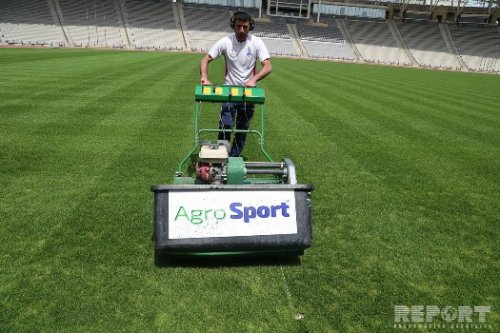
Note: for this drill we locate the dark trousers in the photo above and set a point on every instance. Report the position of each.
(243, 112)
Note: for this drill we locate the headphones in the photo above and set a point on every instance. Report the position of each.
(242, 16)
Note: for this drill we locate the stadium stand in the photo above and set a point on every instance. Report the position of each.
(28, 22)
(376, 43)
(413, 40)
(325, 40)
(275, 28)
(479, 47)
(426, 44)
(92, 23)
(202, 31)
(277, 37)
(152, 25)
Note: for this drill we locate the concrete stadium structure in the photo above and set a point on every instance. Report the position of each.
(166, 25)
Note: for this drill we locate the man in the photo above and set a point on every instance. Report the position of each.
(240, 50)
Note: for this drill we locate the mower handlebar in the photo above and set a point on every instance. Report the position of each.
(213, 93)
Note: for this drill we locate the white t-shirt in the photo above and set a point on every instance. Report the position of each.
(240, 57)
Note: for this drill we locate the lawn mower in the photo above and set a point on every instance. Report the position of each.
(222, 205)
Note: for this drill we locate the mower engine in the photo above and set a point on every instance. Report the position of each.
(214, 166)
(211, 167)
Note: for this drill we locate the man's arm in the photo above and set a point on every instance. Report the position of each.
(204, 69)
(262, 73)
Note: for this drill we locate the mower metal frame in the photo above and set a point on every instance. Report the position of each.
(198, 130)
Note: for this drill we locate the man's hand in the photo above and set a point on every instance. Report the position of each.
(204, 70)
(251, 83)
(205, 82)
(262, 73)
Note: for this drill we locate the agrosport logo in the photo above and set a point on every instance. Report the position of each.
(235, 211)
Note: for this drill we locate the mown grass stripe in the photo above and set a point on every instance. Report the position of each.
(395, 142)
(73, 141)
(435, 100)
(372, 101)
(64, 250)
(483, 85)
(399, 216)
(407, 229)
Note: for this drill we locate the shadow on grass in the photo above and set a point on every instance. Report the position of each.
(162, 260)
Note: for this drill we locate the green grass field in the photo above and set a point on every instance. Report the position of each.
(406, 207)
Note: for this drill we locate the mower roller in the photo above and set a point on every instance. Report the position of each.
(221, 205)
